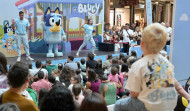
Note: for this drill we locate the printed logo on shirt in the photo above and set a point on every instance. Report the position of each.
(160, 75)
(21, 22)
(162, 95)
(160, 79)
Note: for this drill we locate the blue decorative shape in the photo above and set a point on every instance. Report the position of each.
(66, 46)
(88, 45)
(39, 46)
(137, 49)
(97, 39)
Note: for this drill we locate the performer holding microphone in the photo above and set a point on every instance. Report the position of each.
(22, 25)
(88, 27)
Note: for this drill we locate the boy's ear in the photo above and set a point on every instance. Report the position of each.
(57, 10)
(27, 80)
(142, 43)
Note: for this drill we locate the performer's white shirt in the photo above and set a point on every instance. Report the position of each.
(126, 35)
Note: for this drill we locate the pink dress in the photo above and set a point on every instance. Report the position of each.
(114, 78)
(41, 84)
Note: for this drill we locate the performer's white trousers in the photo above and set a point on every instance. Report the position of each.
(20, 38)
(88, 37)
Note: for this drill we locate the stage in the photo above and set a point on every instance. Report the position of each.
(55, 60)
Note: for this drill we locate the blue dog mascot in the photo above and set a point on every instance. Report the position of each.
(53, 31)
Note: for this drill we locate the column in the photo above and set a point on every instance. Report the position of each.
(132, 14)
(167, 17)
(107, 11)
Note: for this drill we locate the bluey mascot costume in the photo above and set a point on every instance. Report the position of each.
(53, 31)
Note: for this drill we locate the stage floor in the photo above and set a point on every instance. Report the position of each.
(42, 57)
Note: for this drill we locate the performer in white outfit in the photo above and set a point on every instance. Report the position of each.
(22, 25)
(88, 27)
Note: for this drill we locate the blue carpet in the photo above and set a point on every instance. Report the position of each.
(56, 62)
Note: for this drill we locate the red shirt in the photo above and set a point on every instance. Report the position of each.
(41, 84)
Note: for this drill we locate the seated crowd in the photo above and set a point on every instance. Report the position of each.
(126, 82)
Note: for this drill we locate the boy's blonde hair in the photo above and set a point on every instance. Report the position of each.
(154, 37)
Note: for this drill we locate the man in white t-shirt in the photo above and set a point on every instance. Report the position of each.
(151, 79)
(127, 33)
(39, 67)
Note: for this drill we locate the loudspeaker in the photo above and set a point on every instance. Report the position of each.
(105, 46)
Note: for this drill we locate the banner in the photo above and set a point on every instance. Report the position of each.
(74, 13)
(180, 42)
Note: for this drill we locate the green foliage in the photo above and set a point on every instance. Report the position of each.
(100, 29)
(76, 29)
(39, 30)
(1, 32)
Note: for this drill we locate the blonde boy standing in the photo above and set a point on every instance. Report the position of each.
(151, 79)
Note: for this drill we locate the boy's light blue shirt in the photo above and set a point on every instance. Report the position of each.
(21, 26)
(133, 43)
(88, 28)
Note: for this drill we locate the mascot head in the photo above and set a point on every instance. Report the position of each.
(53, 20)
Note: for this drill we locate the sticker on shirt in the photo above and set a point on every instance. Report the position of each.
(160, 75)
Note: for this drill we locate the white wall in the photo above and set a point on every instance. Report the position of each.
(125, 15)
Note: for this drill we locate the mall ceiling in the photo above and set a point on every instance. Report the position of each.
(115, 3)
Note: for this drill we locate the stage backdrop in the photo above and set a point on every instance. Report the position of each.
(181, 41)
(74, 13)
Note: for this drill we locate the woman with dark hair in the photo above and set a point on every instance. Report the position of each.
(76, 90)
(56, 74)
(60, 67)
(3, 74)
(124, 72)
(58, 98)
(109, 90)
(66, 75)
(93, 81)
(42, 94)
(75, 80)
(99, 71)
(93, 102)
(88, 27)
(134, 54)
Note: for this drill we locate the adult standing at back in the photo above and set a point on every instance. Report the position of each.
(169, 31)
(88, 27)
(127, 33)
(21, 24)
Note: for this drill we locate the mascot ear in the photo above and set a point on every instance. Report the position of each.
(7, 25)
(57, 10)
(48, 11)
